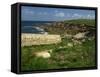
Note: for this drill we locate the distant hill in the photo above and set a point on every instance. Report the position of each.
(70, 26)
(89, 22)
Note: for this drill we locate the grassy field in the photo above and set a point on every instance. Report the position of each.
(62, 55)
(80, 55)
(88, 22)
(71, 26)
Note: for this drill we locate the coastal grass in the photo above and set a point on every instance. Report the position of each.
(88, 22)
(62, 56)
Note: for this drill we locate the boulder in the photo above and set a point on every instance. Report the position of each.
(79, 35)
(43, 54)
(38, 39)
(70, 44)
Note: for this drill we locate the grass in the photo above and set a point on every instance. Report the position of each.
(62, 56)
(72, 27)
(69, 57)
(89, 22)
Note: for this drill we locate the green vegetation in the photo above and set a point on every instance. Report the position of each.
(68, 57)
(62, 55)
(71, 26)
(89, 22)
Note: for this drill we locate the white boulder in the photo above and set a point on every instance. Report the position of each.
(79, 35)
(43, 54)
(70, 45)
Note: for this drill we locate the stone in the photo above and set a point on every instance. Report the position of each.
(79, 35)
(50, 50)
(77, 42)
(68, 35)
(43, 54)
(38, 39)
(83, 40)
(70, 45)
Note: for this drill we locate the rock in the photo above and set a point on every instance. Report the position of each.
(43, 54)
(50, 50)
(38, 39)
(79, 35)
(76, 42)
(70, 44)
(67, 36)
(60, 47)
(90, 38)
(63, 47)
(83, 40)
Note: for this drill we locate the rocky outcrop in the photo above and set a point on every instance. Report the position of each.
(79, 35)
(38, 39)
(68, 28)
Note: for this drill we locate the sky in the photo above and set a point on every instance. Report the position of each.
(29, 13)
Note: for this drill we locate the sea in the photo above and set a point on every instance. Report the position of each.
(33, 26)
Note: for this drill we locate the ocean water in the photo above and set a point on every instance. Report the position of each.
(33, 26)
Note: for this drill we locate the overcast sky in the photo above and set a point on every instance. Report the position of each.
(54, 14)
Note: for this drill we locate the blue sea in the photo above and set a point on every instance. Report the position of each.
(32, 26)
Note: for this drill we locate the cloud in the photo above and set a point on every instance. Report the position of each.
(28, 11)
(87, 16)
(45, 13)
(76, 15)
(42, 13)
(90, 16)
(59, 14)
(56, 11)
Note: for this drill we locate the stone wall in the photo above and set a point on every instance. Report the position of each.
(38, 39)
